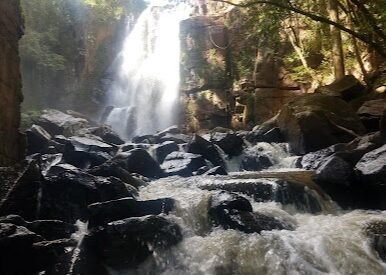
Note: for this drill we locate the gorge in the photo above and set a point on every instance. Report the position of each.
(163, 174)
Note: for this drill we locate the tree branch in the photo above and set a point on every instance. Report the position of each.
(314, 17)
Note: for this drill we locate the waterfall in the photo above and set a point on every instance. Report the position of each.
(144, 92)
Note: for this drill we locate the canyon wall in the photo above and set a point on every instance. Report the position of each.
(11, 29)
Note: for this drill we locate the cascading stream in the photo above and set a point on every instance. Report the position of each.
(144, 92)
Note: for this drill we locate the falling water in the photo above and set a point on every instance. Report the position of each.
(145, 90)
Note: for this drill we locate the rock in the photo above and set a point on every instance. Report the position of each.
(164, 149)
(266, 132)
(255, 162)
(182, 164)
(59, 123)
(371, 167)
(173, 130)
(263, 190)
(126, 243)
(149, 139)
(376, 231)
(202, 170)
(38, 140)
(371, 112)
(85, 152)
(107, 134)
(201, 146)
(105, 212)
(139, 161)
(312, 122)
(114, 169)
(218, 170)
(231, 211)
(347, 88)
(48, 229)
(231, 144)
(177, 138)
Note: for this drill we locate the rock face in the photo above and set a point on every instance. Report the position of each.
(11, 29)
(313, 122)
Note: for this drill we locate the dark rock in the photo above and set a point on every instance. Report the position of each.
(149, 139)
(371, 112)
(231, 144)
(173, 130)
(315, 121)
(59, 123)
(218, 170)
(266, 132)
(114, 169)
(371, 167)
(38, 139)
(201, 146)
(130, 146)
(255, 162)
(231, 211)
(126, 243)
(376, 231)
(347, 88)
(164, 149)
(105, 212)
(85, 152)
(201, 170)
(182, 164)
(139, 161)
(263, 190)
(107, 134)
(177, 138)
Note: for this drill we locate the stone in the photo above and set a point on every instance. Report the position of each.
(105, 212)
(58, 123)
(182, 164)
(266, 132)
(173, 130)
(347, 88)
(164, 149)
(371, 167)
(218, 170)
(376, 231)
(201, 146)
(315, 121)
(231, 144)
(139, 161)
(107, 134)
(371, 112)
(232, 211)
(38, 140)
(127, 243)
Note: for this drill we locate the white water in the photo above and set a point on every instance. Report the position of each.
(327, 243)
(145, 90)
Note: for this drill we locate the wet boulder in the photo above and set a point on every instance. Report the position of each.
(58, 123)
(139, 161)
(85, 152)
(149, 139)
(371, 168)
(173, 130)
(177, 138)
(105, 212)
(106, 134)
(182, 164)
(376, 231)
(266, 132)
(315, 121)
(164, 149)
(38, 139)
(230, 143)
(207, 149)
(127, 243)
(347, 88)
(371, 112)
(232, 211)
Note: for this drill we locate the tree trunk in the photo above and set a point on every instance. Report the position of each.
(336, 40)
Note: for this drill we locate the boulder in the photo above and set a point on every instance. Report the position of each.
(371, 112)
(315, 121)
(371, 168)
(376, 231)
(266, 132)
(173, 130)
(58, 123)
(232, 211)
(177, 138)
(207, 149)
(84, 152)
(105, 212)
(182, 164)
(139, 161)
(126, 243)
(164, 149)
(230, 143)
(38, 139)
(347, 88)
(106, 134)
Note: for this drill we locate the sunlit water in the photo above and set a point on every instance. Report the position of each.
(145, 90)
(330, 242)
